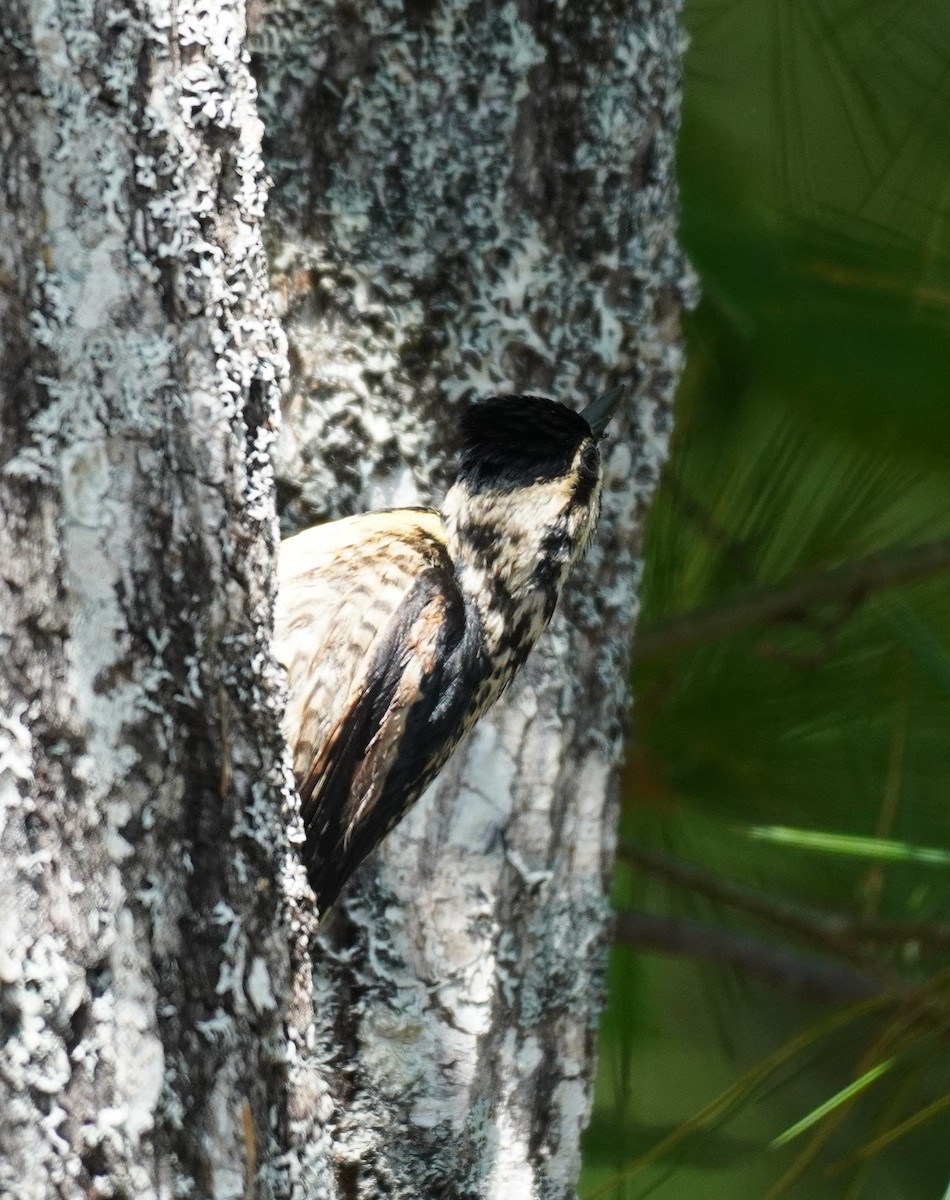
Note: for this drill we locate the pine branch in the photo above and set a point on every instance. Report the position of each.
(790, 601)
(838, 933)
(812, 979)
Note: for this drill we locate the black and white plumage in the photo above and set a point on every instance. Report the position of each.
(399, 629)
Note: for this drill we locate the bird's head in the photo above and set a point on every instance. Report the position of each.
(527, 495)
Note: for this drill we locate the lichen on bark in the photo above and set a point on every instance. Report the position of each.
(473, 199)
(141, 943)
(466, 199)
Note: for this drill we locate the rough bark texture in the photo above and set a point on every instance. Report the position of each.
(469, 198)
(473, 198)
(143, 950)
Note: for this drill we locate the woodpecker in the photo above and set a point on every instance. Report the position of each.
(398, 629)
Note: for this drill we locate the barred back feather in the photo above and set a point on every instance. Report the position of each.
(399, 629)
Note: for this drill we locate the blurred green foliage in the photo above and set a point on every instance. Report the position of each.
(813, 428)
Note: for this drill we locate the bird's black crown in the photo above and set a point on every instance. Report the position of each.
(511, 441)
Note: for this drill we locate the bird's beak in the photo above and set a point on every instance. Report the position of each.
(600, 412)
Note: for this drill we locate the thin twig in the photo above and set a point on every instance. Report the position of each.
(836, 932)
(874, 879)
(813, 979)
(735, 552)
(790, 601)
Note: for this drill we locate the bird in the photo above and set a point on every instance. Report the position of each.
(399, 629)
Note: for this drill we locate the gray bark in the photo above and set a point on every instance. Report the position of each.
(472, 199)
(142, 941)
(466, 199)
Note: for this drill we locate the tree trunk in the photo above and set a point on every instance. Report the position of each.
(467, 199)
(142, 942)
(473, 199)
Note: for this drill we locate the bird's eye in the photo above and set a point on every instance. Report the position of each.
(590, 458)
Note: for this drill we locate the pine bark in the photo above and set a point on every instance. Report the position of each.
(467, 198)
(472, 199)
(143, 942)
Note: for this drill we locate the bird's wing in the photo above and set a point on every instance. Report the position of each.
(384, 662)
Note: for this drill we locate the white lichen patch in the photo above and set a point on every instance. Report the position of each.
(16, 761)
(225, 1142)
(258, 986)
(510, 1173)
(139, 1054)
